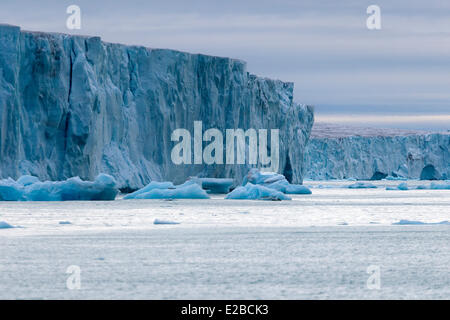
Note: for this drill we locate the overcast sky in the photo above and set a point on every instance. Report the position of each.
(398, 76)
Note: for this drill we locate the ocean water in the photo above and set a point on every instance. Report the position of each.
(317, 246)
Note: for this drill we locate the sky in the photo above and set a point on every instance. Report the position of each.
(398, 76)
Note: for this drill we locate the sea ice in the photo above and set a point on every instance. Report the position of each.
(256, 192)
(29, 188)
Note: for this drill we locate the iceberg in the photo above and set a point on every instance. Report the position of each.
(411, 222)
(273, 180)
(440, 186)
(30, 189)
(339, 152)
(256, 192)
(158, 221)
(77, 106)
(5, 225)
(151, 186)
(401, 186)
(287, 188)
(166, 190)
(433, 186)
(255, 176)
(214, 185)
(361, 185)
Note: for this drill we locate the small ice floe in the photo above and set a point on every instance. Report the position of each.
(65, 222)
(157, 221)
(361, 185)
(214, 185)
(440, 186)
(5, 225)
(343, 223)
(411, 222)
(401, 186)
(28, 188)
(287, 188)
(433, 186)
(256, 192)
(394, 178)
(166, 190)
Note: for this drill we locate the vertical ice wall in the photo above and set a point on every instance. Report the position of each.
(335, 152)
(77, 106)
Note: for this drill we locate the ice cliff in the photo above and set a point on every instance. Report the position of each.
(337, 152)
(77, 106)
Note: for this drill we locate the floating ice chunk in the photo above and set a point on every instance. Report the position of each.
(361, 185)
(5, 225)
(157, 221)
(187, 190)
(65, 222)
(401, 186)
(395, 178)
(256, 192)
(151, 186)
(285, 187)
(274, 181)
(410, 222)
(257, 177)
(440, 186)
(214, 185)
(102, 188)
(28, 188)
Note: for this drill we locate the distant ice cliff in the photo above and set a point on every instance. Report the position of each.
(339, 152)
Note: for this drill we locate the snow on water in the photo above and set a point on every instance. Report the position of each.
(28, 188)
(325, 207)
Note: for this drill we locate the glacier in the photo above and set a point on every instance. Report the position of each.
(77, 106)
(344, 152)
